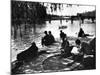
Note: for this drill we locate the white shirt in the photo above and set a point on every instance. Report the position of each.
(75, 50)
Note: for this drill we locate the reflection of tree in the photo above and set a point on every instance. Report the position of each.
(15, 31)
(54, 6)
(87, 15)
(26, 13)
(20, 32)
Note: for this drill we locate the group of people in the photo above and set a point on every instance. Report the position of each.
(48, 39)
(67, 49)
(78, 51)
(32, 51)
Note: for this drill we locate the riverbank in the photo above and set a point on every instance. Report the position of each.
(51, 61)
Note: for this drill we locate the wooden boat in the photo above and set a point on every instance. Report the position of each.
(62, 27)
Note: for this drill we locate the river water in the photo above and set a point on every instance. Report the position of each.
(26, 33)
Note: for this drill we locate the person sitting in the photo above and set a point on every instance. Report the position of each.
(25, 56)
(77, 52)
(64, 43)
(66, 48)
(51, 38)
(82, 34)
(45, 39)
(62, 35)
(78, 55)
(28, 54)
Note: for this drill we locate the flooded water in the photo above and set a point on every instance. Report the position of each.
(23, 35)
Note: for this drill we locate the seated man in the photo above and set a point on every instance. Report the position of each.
(66, 48)
(28, 54)
(62, 35)
(45, 39)
(81, 49)
(64, 43)
(51, 38)
(82, 34)
(77, 52)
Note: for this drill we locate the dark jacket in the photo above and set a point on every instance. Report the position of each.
(28, 54)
